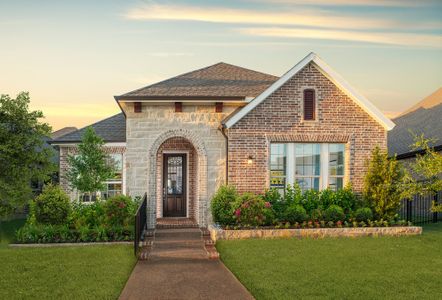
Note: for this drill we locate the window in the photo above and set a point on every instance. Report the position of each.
(312, 166)
(307, 165)
(277, 166)
(309, 105)
(113, 186)
(336, 166)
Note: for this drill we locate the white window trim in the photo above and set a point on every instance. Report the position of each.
(324, 164)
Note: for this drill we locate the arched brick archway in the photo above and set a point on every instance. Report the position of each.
(200, 180)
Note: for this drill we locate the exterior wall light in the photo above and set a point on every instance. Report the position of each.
(250, 160)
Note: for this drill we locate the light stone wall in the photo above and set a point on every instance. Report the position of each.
(146, 131)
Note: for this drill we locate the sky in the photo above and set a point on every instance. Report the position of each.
(74, 56)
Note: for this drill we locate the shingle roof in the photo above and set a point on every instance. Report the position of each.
(216, 81)
(65, 130)
(422, 120)
(112, 129)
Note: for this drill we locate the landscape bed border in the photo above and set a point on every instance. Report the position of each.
(217, 233)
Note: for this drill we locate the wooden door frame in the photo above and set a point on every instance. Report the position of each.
(186, 152)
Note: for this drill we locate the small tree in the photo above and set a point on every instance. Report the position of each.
(23, 156)
(384, 184)
(428, 169)
(90, 167)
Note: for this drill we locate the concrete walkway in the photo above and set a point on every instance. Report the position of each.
(178, 268)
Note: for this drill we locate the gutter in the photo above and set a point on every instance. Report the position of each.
(222, 128)
(414, 153)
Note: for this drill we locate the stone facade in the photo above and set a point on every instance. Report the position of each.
(64, 166)
(279, 119)
(155, 127)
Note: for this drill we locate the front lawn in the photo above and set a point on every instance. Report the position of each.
(93, 272)
(359, 268)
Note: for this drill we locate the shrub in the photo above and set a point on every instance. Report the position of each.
(293, 194)
(363, 214)
(119, 210)
(384, 184)
(251, 210)
(277, 202)
(327, 197)
(296, 213)
(334, 213)
(317, 215)
(346, 199)
(310, 200)
(89, 215)
(221, 205)
(52, 206)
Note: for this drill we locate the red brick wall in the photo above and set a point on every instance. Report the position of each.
(279, 118)
(180, 144)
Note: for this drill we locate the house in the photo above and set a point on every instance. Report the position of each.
(180, 139)
(424, 117)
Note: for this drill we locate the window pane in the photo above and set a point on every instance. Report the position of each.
(336, 159)
(277, 166)
(308, 159)
(336, 183)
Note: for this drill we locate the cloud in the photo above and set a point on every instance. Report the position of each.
(310, 18)
(170, 54)
(402, 39)
(383, 3)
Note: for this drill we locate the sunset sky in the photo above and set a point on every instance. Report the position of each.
(74, 56)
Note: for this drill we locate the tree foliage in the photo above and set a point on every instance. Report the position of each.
(427, 167)
(23, 156)
(385, 184)
(91, 166)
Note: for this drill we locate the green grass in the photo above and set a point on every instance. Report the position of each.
(346, 268)
(91, 272)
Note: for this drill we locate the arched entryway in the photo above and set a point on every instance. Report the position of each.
(178, 177)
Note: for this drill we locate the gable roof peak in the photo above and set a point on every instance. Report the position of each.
(329, 73)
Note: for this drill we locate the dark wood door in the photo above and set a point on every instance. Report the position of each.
(174, 185)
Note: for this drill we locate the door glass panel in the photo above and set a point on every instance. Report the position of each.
(174, 175)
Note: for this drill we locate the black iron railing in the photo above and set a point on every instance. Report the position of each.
(418, 209)
(140, 223)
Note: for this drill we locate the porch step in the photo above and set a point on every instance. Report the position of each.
(180, 244)
(165, 223)
(180, 234)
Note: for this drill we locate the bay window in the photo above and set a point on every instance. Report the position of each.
(310, 165)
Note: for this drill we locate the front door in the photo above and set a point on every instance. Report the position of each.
(174, 185)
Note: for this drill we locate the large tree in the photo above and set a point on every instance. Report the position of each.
(91, 166)
(23, 155)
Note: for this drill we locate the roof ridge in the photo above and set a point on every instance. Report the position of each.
(84, 127)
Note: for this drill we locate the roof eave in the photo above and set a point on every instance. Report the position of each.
(173, 98)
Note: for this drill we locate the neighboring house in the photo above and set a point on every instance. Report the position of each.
(424, 117)
(181, 138)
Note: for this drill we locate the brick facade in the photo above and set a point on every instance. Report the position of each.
(64, 166)
(279, 119)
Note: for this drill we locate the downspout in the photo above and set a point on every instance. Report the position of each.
(222, 128)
